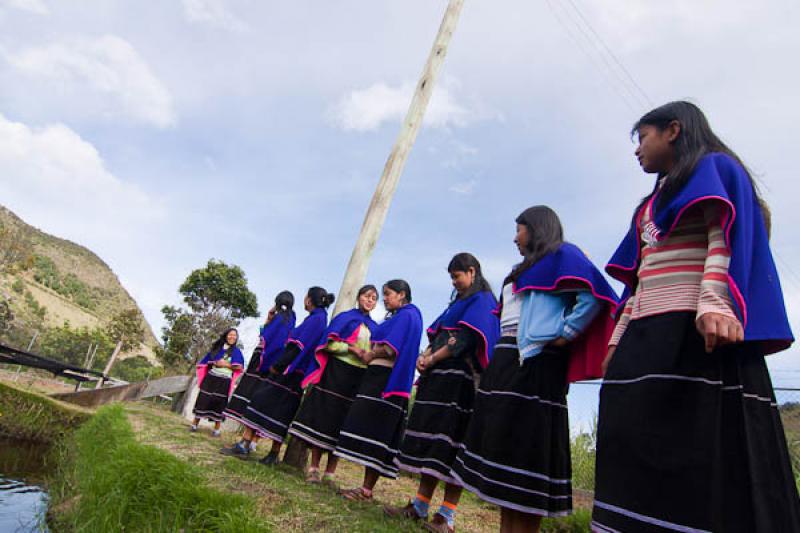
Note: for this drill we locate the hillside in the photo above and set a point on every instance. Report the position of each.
(53, 280)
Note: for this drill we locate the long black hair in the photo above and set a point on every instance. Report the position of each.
(284, 302)
(462, 262)
(320, 297)
(220, 342)
(545, 235)
(398, 285)
(695, 140)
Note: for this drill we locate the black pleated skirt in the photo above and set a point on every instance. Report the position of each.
(273, 406)
(438, 421)
(516, 452)
(212, 398)
(326, 404)
(372, 430)
(689, 441)
(242, 394)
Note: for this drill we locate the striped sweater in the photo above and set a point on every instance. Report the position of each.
(687, 271)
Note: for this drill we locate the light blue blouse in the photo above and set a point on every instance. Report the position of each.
(547, 316)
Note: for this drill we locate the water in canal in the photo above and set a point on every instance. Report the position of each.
(23, 497)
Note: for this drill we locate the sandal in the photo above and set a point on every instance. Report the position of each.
(312, 476)
(358, 494)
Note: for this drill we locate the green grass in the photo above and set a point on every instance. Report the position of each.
(109, 482)
(30, 416)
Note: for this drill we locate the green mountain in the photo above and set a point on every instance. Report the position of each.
(47, 281)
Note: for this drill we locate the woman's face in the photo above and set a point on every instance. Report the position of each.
(522, 238)
(231, 337)
(656, 152)
(462, 281)
(393, 300)
(367, 301)
(307, 303)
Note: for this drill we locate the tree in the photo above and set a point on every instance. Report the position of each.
(71, 345)
(217, 298)
(126, 327)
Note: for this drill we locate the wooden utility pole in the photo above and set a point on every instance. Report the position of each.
(376, 213)
(297, 452)
(110, 363)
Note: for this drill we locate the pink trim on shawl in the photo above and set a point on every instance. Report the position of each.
(322, 356)
(202, 372)
(589, 349)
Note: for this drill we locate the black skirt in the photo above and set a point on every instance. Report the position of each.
(689, 441)
(212, 398)
(325, 406)
(372, 430)
(438, 421)
(273, 406)
(516, 452)
(240, 399)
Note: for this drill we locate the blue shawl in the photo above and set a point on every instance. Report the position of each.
(752, 277)
(476, 313)
(342, 328)
(402, 332)
(274, 335)
(568, 268)
(307, 336)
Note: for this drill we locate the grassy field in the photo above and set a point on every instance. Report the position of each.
(137, 467)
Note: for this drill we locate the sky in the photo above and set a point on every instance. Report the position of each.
(163, 134)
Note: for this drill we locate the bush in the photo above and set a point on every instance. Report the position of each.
(18, 286)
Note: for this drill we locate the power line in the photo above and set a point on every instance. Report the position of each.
(613, 56)
(606, 77)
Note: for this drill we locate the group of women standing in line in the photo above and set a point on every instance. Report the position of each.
(689, 435)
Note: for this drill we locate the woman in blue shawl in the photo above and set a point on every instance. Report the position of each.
(373, 428)
(216, 376)
(555, 320)
(461, 341)
(334, 378)
(272, 339)
(689, 434)
(276, 400)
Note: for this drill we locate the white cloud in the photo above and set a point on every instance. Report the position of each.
(37, 7)
(214, 13)
(56, 180)
(109, 66)
(368, 109)
(465, 187)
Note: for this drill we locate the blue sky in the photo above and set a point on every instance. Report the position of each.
(161, 134)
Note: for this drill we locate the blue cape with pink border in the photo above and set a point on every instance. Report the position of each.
(343, 328)
(475, 313)
(752, 277)
(568, 268)
(402, 332)
(307, 336)
(237, 360)
(273, 338)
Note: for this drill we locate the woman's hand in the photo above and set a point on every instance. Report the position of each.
(718, 330)
(421, 363)
(559, 342)
(607, 360)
